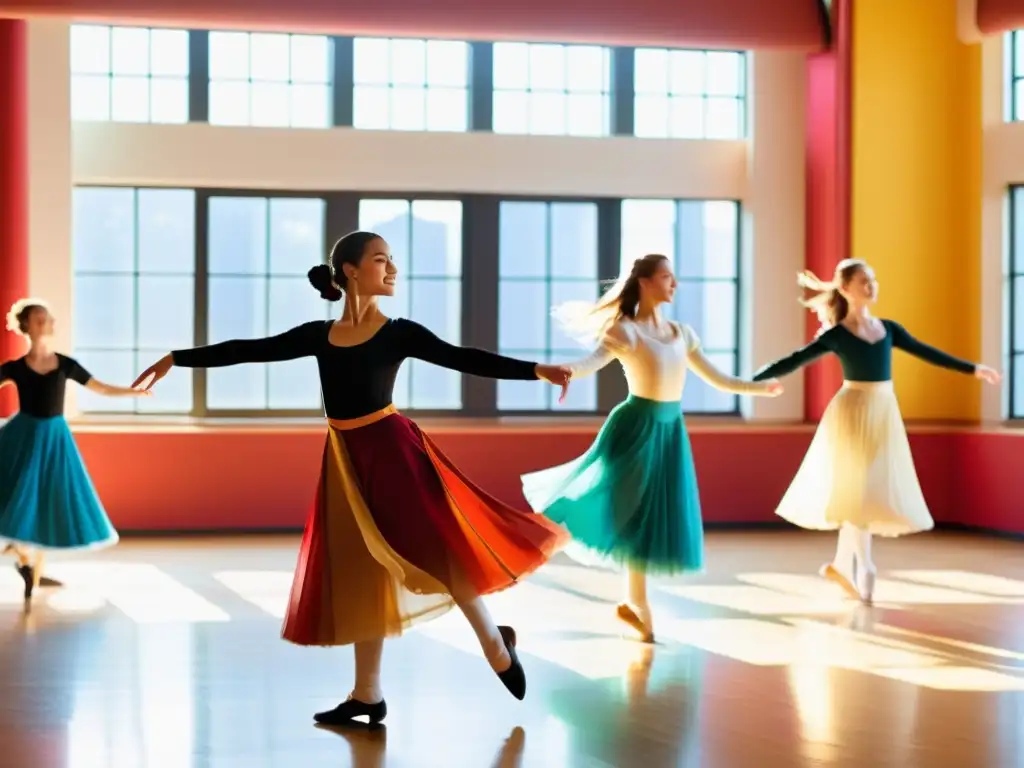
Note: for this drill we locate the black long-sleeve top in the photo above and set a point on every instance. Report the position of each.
(358, 380)
(42, 394)
(863, 360)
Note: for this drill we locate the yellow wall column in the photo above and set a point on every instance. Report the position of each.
(916, 211)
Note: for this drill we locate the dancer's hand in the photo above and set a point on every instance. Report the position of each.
(774, 388)
(559, 375)
(988, 375)
(157, 370)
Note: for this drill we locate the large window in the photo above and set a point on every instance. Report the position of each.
(1016, 324)
(271, 80)
(259, 250)
(552, 89)
(410, 85)
(689, 94)
(702, 239)
(129, 74)
(547, 255)
(134, 280)
(426, 244)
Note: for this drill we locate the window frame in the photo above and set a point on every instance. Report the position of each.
(479, 296)
(1015, 410)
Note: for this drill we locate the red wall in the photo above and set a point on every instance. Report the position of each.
(251, 478)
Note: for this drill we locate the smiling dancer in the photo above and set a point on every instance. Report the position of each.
(397, 534)
(47, 500)
(631, 500)
(858, 474)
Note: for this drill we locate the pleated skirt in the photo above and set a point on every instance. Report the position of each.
(632, 499)
(396, 531)
(859, 468)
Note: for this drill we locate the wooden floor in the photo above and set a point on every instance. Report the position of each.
(166, 654)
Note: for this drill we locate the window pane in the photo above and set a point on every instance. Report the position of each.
(523, 314)
(648, 226)
(238, 310)
(446, 109)
(238, 235)
(168, 101)
(582, 395)
(130, 50)
(574, 240)
(651, 71)
(269, 57)
(548, 113)
(294, 385)
(587, 69)
(723, 119)
(371, 61)
(270, 103)
(104, 311)
(1018, 385)
(687, 72)
(310, 59)
(229, 103)
(651, 120)
(563, 291)
(511, 112)
(1018, 321)
(511, 66)
(721, 238)
(292, 302)
(437, 304)
(166, 240)
(688, 118)
(114, 368)
(432, 387)
(699, 396)
(447, 63)
(90, 49)
(1017, 246)
(587, 115)
(408, 109)
(724, 73)
(371, 108)
(104, 229)
(437, 238)
(229, 56)
(711, 309)
(296, 235)
(523, 395)
(90, 97)
(522, 239)
(129, 99)
(168, 53)
(310, 107)
(166, 312)
(408, 62)
(547, 67)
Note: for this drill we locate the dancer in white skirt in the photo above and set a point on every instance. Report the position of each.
(858, 474)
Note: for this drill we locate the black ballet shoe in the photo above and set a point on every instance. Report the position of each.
(350, 709)
(29, 577)
(514, 678)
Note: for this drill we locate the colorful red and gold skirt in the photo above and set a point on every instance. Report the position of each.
(395, 530)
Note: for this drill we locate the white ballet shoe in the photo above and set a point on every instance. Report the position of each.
(833, 574)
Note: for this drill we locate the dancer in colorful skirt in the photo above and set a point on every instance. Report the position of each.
(631, 500)
(397, 534)
(47, 501)
(858, 475)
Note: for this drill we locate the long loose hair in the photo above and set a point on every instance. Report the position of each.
(588, 321)
(825, 298)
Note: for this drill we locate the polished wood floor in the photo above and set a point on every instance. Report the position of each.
(166, 654)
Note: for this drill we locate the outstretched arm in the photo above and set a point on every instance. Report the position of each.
(110, 390)
(786, 365)
(290, 345)
(614, 342)
(423, 344)
(704, 368)
(901, 339)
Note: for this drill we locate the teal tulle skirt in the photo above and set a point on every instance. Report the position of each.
(46, 497)
(631, 500)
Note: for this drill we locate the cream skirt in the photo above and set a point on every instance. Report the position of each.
(859, 468)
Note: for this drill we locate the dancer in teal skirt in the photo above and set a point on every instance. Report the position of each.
(47, 500)
(631, 500)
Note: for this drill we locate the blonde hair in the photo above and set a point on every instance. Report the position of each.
(826, 301)
(589, 321)
(17, 317)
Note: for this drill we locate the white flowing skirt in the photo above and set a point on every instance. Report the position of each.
(859, 468)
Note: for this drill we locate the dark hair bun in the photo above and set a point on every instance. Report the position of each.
(320, 277)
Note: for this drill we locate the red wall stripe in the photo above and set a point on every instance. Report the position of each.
(995, 16)
(743, 24)
(14, 251)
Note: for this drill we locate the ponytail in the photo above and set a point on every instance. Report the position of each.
(826, 301)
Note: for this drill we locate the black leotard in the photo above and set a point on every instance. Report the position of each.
(357, 380)
(42, 394)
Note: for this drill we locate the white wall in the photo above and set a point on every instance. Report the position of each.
(766, 174)
(1002, 165)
